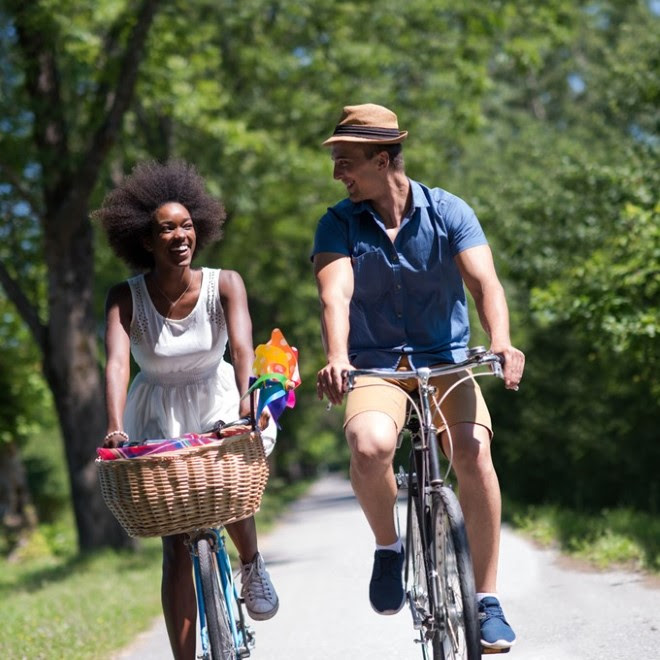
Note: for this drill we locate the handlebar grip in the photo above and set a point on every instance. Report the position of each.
(220, 425)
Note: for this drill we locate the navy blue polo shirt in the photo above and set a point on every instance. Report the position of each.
(408, 296)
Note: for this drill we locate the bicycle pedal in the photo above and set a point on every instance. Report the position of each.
(488, 651)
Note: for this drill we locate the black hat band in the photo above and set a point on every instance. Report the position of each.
(366, 131)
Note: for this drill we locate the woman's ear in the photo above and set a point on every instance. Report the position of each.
(147, 244)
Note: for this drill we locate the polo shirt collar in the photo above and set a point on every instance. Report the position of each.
(419, 200)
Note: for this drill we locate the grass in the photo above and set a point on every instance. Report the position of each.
(57, 604)
(611, 539)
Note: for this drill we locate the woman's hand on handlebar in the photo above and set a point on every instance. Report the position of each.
(114, 439)
(331, 381)
(513, 364)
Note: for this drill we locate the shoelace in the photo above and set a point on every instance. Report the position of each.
(491, 611)
(256, 583)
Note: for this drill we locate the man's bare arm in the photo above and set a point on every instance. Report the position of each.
(478, 272)
(334, 278)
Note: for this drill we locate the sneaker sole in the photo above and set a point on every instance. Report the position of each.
(264, 616)
(389, 612)
(500, 646)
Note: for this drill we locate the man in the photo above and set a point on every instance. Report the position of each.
(390, 262)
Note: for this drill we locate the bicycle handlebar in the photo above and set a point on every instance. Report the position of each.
(477, 357)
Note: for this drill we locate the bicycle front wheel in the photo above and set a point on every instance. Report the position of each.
(221, 640)
(418, 558)
(458, 626)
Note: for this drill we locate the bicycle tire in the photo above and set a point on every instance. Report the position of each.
(458, 635)
(418, 586)
(221, 640)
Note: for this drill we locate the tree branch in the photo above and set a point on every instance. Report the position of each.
(25, 308)
(119, 99)
(36, 36)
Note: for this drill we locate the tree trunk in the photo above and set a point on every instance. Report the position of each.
(68, 177)
(71, 367)
(17, 515)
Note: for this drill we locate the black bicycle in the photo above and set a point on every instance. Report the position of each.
(438, 572)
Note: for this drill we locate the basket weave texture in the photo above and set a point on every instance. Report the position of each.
(188, 489)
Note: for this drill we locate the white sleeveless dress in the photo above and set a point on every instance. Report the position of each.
(184, 384)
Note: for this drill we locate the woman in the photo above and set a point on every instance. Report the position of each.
(176, 321)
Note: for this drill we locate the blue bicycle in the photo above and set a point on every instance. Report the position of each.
(224, 634)
(194, 485)
(195, 490)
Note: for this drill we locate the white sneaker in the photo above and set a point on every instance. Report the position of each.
(257, 590)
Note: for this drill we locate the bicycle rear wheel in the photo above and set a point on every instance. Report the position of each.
(458, 631)
(217, 619)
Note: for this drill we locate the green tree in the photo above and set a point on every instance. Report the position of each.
(568, 189)
(63, 112)
(543, 118)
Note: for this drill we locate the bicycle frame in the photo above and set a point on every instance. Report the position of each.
(242, 635)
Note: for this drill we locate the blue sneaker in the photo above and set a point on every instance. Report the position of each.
(496, 633)
(386, 591)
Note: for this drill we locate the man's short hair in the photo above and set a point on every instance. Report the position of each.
(394, 151)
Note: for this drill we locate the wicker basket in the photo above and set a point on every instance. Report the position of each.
(188, 489)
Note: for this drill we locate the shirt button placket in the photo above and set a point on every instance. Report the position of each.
(398, 288)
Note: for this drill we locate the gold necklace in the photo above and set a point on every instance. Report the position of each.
(173, 303)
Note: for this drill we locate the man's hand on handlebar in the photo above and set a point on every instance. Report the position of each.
(513, 364)
(331, 381)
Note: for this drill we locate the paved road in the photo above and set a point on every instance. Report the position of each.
(320, 559)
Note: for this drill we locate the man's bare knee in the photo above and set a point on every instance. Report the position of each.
(470, 449)
(372, 441)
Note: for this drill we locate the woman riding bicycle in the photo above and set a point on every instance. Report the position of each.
(176, 321)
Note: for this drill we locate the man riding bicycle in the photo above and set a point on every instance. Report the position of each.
(390, 263)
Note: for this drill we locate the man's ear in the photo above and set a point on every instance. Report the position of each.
(383, 160)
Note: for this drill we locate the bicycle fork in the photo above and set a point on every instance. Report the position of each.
(424, 488)
(242, 634)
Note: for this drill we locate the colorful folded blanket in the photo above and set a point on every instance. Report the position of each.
(162, 446)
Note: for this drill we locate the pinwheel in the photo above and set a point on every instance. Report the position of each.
(276, 374)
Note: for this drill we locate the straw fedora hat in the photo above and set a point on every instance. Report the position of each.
(367, 123)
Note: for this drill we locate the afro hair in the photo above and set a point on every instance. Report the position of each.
(127, 212)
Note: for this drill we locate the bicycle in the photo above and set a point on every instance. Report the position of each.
(137, 497)
(193, 485)
(438, 574)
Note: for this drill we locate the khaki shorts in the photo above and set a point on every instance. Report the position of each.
(465, 403)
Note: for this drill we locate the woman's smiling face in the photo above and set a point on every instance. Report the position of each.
(173, 237)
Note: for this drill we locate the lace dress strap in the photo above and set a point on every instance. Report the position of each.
(213, 304)
(139, 321)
